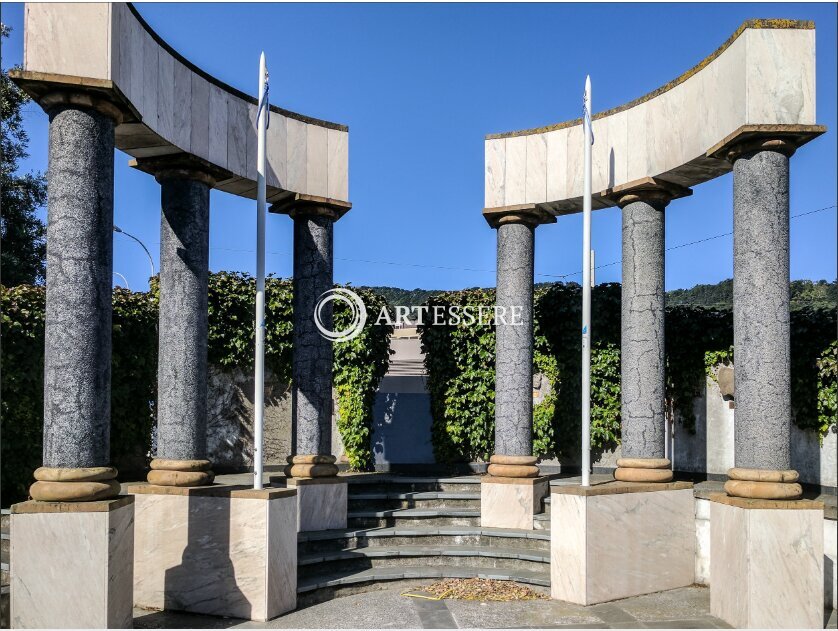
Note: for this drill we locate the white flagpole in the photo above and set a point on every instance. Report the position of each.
(261, 211)
(586, 291)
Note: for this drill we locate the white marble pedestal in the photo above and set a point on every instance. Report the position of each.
(511, 502)
(219, 550)
(72, 564)
(620, 539)
(321, 502)
(766, 563)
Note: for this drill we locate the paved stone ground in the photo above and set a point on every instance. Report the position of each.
(687, 608)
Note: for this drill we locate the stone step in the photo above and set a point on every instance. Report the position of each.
(541, 521)
(5, 607)
(333, 540)
(417, 572)
(5, 544)
(414, 516)
(487, 557)
(407, 484)
(381, 500)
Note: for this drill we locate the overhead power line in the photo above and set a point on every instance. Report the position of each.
(492, 271)
(684, 245)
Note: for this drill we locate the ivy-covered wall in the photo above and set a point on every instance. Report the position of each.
(461, 370)
(359, 366)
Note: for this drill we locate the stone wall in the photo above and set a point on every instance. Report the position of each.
(710, 449)
(230, 419)
(401, 430)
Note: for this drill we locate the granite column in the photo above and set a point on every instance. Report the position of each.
(311, 396)
(762, 375)
(185, 184)
(513, 491)
(642, 344)
(77, 358)
(73, 544)
(514, 351)
(321, 494)
(766, 543)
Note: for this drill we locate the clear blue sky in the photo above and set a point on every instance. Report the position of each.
(420, 86)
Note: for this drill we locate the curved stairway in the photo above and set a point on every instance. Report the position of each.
(406, 529)
(412, 528)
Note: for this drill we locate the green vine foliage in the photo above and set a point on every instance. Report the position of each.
(359, 366)
(22, 384)
(828, 388)
(461, 359)
(231, 337)
(812, 330)
(692, 333)
(558, 325)
(133, 377)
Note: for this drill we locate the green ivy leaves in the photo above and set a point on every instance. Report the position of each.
(358, 368)
(461, 369)
(359, 365)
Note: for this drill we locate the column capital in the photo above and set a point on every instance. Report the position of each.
(51, 90)
(181, 166)
(301, 205)
(783, 139)
(651, 190)
(530, 214)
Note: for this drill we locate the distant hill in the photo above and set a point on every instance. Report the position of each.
(405, 297)
(804, 293)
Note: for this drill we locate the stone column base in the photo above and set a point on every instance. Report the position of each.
(766, 562)
(620, 539)
(511, 502)
(321, 503)
(219, 550)
(643, 470)
(168, 472)
(72, 564)
(311, 466)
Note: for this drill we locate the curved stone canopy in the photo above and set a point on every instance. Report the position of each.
(170, 106)
(761, 80)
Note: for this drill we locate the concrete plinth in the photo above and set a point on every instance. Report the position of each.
(72, 564)
(321, 503)
(218, 550)
(511, 502)
(766, 563)
(621, 539)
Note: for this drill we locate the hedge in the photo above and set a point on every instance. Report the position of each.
(460, 361)
(359, 366)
